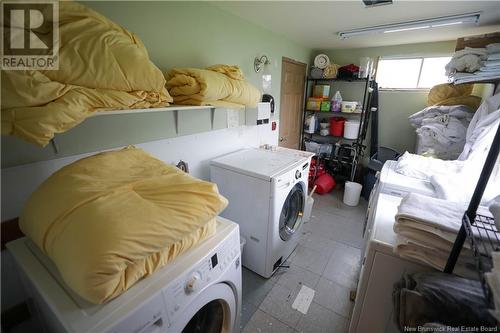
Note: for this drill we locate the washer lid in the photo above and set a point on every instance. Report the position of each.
(259, 163)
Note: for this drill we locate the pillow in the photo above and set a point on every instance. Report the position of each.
(108, 220)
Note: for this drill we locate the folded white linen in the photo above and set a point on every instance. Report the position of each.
(479, 51)
(432, 256)
(459, 78)
(491, 63)
(493, 48)
(422, 167)
(430, 147)
(425, 235)
(493, 56)
(432, 220)
(456, 111)
(466, 63)
(445, 129)
(490, 68)
(432, 212)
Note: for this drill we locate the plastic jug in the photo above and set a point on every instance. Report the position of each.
(336, 102)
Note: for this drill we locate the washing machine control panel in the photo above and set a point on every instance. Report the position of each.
(206, 272)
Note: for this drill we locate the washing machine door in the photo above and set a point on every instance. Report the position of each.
(212, 311)
(291, 213)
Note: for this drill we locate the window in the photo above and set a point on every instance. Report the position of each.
(411, 73)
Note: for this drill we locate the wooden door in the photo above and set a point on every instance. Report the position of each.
(293, 78)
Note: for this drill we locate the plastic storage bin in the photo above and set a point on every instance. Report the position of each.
(314, 104)
(349, 107)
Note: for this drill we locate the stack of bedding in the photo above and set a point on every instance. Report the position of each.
(427, 228)
(111, 219)
(102, 66)
(475, 64)
(456, 180)
(441, 127)
(218, 85)
(441, 130)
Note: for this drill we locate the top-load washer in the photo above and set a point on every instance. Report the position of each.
(199, 291)
(267, 192)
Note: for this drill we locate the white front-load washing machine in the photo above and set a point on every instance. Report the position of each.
(267, 192)
(199, 291)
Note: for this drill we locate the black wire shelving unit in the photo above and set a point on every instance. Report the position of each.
(479, 229)
(355, 146)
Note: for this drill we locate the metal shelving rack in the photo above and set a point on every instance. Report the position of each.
(356, 146)
(479, 229)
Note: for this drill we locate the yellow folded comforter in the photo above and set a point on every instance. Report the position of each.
(101, 65)
(219, 85)
(109, 220)
(450, 94)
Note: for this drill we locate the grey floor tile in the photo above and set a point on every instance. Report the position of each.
(262, 322)
(247, 311)
(343, 266)
(278, 304)
(320, 319)
(255, 287)
(296, 276)
(309, 259)
(333, 296)
(348, 232)
(317, 242)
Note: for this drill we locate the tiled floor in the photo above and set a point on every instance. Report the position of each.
(326, 260)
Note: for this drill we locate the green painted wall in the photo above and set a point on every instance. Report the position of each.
(176, 34)
(395, 106)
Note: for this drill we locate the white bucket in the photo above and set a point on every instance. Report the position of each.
(352, 192)
(351, 129)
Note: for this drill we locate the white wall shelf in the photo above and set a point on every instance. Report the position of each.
(165, 109)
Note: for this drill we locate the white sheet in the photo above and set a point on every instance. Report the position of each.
(486, 116)
(422, 167)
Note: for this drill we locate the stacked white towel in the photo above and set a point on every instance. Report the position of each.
(427, 228)
(441, 130)
(473, 64)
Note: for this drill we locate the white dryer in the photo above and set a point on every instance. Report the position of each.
(267, 191)
(396, 184)
(200, 291)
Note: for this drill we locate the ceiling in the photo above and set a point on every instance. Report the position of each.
(315, 23)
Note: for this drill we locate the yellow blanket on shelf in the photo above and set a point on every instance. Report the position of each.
(450, 94)
(109, 220)
(215, 86)
(101, 66)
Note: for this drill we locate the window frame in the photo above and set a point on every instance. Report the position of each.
(413, 56)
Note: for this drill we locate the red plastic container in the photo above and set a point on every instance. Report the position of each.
(324, 183)
(337, 126)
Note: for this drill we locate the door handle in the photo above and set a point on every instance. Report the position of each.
(282, 139)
